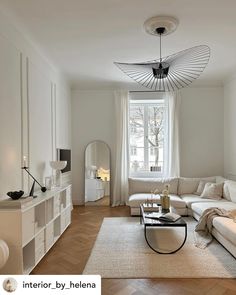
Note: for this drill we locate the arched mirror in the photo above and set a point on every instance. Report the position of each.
(97, 174)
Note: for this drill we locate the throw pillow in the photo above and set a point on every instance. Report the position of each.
(200, 187)
(232, 190)
(212, 191)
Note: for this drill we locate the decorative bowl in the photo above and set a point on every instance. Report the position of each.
(58, 165)
(15, 195)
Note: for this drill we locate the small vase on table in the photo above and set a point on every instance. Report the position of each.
(165, 200)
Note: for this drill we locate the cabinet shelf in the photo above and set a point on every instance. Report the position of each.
(28, 256)
(38, 229)
(34, 229)
(49, 210)
(57, 228)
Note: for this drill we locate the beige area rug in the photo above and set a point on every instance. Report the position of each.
(120, 251)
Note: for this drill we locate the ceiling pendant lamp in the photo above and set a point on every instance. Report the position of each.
(172, 72)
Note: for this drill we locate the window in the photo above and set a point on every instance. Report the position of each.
(133, 129)
(147, 139)
(152, 151)
(133, 150)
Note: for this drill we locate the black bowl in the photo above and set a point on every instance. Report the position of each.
(15, 195)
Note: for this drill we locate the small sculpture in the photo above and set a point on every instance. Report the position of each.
(15, 195)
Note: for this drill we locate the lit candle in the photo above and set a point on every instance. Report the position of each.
(24, 161)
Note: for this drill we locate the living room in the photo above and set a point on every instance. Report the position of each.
(60, 91)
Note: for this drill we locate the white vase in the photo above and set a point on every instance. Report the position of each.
(58, 166)
(4, 253)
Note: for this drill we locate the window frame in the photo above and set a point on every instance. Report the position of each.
(149, 99)
(134, 153)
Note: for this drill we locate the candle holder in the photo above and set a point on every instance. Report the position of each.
(43, 188)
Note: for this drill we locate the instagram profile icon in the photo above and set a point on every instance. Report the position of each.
(9, 285)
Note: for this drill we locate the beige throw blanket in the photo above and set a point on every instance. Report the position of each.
(202, 234)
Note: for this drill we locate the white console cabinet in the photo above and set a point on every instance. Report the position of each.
(31, 226)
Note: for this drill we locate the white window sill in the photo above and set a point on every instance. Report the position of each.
(146, 175)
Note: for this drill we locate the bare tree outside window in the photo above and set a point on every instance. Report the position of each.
(156, 135)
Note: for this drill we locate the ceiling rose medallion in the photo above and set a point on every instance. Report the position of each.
(172, 72)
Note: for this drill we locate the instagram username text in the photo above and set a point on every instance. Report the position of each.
(58, 285)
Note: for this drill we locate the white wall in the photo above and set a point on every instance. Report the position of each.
(201, 132)
(230, 129)
(201, 126)
(92, 119)
(34, 110)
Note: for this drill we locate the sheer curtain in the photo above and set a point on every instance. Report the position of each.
(120, 179)
(174, 101)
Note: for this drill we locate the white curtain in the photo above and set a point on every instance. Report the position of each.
(120, 179)
(174, 101)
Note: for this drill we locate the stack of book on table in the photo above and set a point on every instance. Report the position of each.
(170, 216)
(151, 207)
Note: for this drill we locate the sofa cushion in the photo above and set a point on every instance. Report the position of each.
(136, 199)
(200, 187)
(226, 227)
(229, 190)
(226, 194)
(146, 185)
(190, 185)
(189, 199)
(199, 208)
(232, 191)
(212, 191)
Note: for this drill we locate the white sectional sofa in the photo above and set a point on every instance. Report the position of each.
(187, 203)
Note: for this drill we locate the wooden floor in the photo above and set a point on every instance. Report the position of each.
(105, 201)
(70, 253)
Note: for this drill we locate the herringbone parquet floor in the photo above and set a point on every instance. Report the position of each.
(70, 253)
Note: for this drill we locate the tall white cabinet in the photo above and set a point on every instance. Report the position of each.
(31, 226)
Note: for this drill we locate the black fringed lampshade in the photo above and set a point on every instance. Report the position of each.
(169, 73)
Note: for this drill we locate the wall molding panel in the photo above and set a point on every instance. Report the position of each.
(24, 118)
(53, 118)
(40, 123)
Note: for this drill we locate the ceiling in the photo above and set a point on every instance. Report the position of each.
(84, 37)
